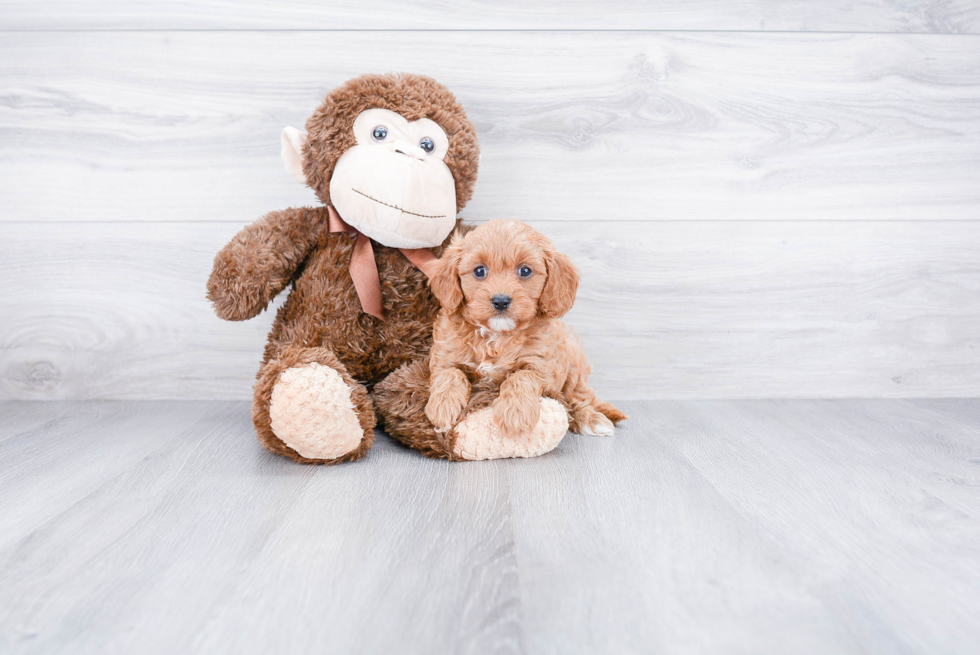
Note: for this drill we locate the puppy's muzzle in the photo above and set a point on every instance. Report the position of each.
(500, 302)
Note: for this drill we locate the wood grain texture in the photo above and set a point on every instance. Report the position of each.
(755, 527)
(707, 526)
(949, 16)
(666, 310)
(170, 520)
(184, 126)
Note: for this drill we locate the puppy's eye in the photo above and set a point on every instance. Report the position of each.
(480, 272)
(524, 272)
(427, 144)
(380, 133)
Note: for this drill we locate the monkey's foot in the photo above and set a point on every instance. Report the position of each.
(311, 411)
(476, 437)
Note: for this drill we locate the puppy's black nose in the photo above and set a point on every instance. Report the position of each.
(500, 302)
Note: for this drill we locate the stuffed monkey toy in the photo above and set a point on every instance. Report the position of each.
(393, 158)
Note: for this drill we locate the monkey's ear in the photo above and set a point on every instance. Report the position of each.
(445, 278)
(292, 153)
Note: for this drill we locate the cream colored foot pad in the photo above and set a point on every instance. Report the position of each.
(311, 411)
(478, 438)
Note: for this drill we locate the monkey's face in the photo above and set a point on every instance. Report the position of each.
(394, 184)
(376, 153)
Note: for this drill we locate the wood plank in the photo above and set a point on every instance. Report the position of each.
(52, 468)
(201, 528)
(871, 480)
(666, 310)
(955, 16)
(586, 126)
(763, 527)
(702, 526)
(953, 409)
(23, 418)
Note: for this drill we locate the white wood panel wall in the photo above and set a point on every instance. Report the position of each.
(943, 17)
(756, 214)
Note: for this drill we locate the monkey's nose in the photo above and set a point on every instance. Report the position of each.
(406, 148)
(500, 302)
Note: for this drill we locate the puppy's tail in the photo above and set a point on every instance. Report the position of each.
(609, 411)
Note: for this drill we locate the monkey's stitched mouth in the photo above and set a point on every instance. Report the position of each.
(394, 206)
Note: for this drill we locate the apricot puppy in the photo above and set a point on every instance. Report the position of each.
(503, 287)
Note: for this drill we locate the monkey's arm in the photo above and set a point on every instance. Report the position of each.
(261, 260)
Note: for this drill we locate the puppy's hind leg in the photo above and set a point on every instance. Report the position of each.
(610, 411)
(590, 416)
(588, 421)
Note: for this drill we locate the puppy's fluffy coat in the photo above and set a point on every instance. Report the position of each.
(503, 287)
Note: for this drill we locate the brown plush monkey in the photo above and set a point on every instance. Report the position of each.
(393, 158)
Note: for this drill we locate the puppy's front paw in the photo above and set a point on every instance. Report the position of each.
(442, 411)
(516, 414)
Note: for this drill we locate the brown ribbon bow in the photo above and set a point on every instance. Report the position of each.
(364, 269)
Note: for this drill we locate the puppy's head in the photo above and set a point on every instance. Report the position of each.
(503, 275)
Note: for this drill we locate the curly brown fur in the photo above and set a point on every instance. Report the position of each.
(321, 320)
(522, 346)
(323, 309)
(400, 401)
(261, 260)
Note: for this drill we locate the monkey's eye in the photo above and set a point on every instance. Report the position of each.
(480, 272)
(524, 272)
(380, 132)
(427, 144)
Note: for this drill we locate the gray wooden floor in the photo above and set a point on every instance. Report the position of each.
(703, 526)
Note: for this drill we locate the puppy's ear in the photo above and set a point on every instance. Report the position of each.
(558, 295)
(445, 276)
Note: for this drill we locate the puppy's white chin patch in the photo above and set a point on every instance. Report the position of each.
(501, 324)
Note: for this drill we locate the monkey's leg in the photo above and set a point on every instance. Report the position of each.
(308, 408)
(476, 436)
(400, 401)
